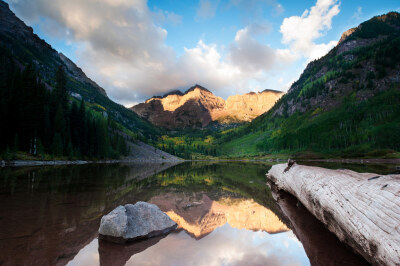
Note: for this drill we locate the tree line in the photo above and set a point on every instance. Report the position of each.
(42, 120)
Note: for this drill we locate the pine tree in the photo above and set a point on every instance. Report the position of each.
(61, 88)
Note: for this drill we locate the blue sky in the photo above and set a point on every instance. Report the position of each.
(138, 48)
(222, 27)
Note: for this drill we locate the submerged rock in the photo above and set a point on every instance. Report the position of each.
(134, 222)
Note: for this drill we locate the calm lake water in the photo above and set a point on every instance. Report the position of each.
(227, 215)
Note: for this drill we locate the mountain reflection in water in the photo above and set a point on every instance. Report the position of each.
(199, 215)
(225, 211)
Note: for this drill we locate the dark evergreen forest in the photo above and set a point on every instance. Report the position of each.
(45, 121)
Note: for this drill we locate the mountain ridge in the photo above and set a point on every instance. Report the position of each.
(37, 78)
(345, 103)
(198, 107)
(28, 48)
(11, 24)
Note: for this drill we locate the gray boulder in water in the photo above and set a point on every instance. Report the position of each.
(135, 222)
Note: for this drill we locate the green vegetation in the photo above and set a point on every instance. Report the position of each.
(358, 117)
(239, 178)
(42, 122)
(354, 127)
(346, 104)
(45, 62)
(189, 144)
(376, 26)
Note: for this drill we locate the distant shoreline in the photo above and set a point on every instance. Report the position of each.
(18, 163)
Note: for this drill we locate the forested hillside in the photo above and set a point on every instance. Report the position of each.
(50, 109)
(346, 103)
(43, 122)
(27, 48)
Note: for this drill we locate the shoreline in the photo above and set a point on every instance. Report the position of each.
(20, 163)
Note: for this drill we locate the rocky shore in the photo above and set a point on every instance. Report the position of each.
(361, 209)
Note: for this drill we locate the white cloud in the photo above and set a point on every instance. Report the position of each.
(204, 65)
(207, 8)
(259, 28)
(173, 18)
(224, 246)
(118, 43)
(121, 45)
(167, 17)
(357, 15)
(252, 56)
(249, 54)
(301, 32)
(255, 6)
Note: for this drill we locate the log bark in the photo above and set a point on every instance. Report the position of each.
(361, 209)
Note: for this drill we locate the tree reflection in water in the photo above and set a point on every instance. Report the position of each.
(50, 215)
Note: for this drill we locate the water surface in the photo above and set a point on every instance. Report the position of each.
(227, 215)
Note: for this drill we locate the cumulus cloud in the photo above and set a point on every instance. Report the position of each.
(254, 6)
(207, 8)
(259, 28)
(121, 45)
(357, 15)
(118, 43)
(204, 64)
(222, 247)
(167, 17)
(251, 55)
(301, 32)
(173, 18)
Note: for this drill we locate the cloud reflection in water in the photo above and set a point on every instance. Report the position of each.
(224, 246)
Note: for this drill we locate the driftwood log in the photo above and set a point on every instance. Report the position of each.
(321, 246)
(361, 209)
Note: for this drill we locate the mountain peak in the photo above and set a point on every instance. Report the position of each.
(274, 91)
(78, 74)
(197, 87)
(195, 109)
(4, 5)
(346, 34)
(178, 92)
(19, 38)
(174, 92)
(373, 28)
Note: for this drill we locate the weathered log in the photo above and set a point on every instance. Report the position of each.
(361, 209)
(321, 246)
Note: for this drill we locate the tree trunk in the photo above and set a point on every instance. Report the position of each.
(363, 210)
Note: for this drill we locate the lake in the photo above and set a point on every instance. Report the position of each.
(227, 215)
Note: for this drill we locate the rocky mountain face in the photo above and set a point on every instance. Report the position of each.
(345, 102)
(27, 48)
(198, 107)
(16, 35)
(361, 63)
